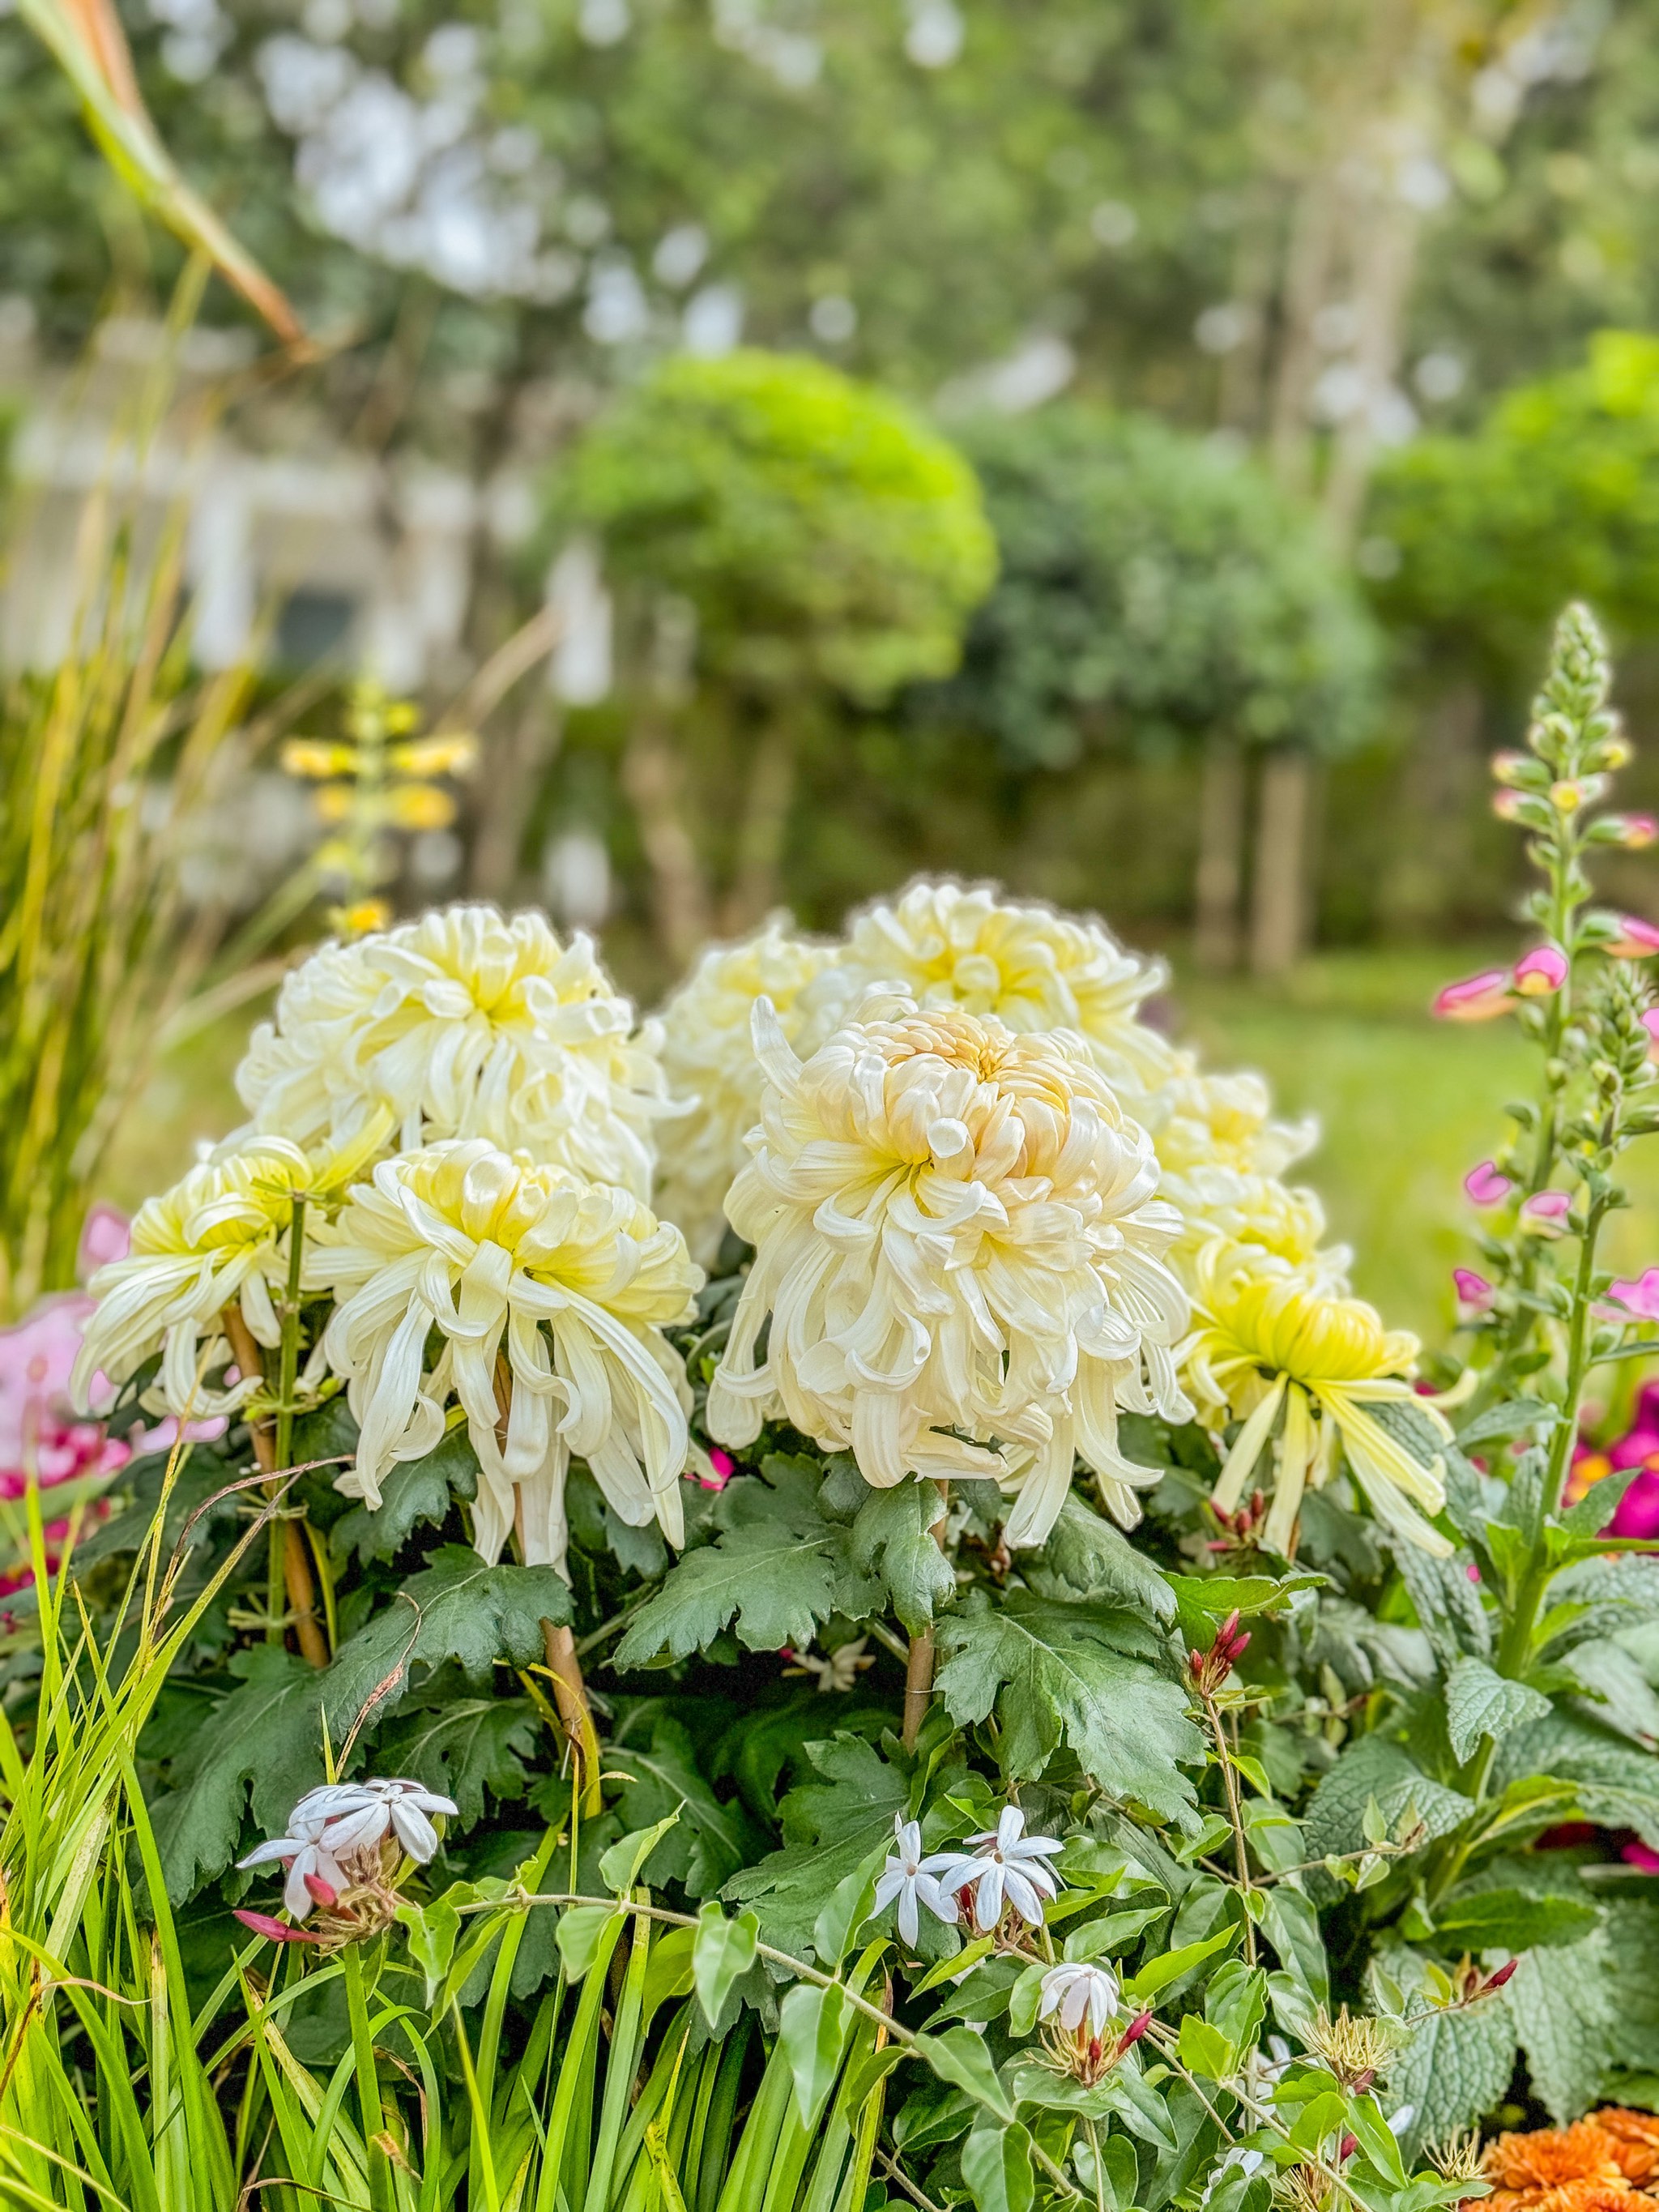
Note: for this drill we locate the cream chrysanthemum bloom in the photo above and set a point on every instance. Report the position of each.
(1263, 1338)
(950, 944)
(709, 1058)
(960, 1256)
(530, 1276)
(218, 1238)
(464, 1025)
(1223, 1158)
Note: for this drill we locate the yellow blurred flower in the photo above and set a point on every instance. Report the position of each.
(317, 756)
(456, 754)
(419, 806)
(960, 1256)
(1264, 1339)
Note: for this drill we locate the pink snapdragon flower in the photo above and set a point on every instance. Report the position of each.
(1545, 1213)
(1638, 1296)
(1541, 972)
(1486, 1185)
(1637, 939)
(1479, 997)
(1474, 1291)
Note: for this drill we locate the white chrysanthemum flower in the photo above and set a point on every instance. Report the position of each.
(529, 1275)
(958, 1248)
(951, 944)
(218, 1238)
(464, 1025)
(709, 1058)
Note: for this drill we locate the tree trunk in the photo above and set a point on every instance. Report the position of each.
(764, 830)
(1278, 892)
(1220, 875)
(654, 777)
(1440, 793)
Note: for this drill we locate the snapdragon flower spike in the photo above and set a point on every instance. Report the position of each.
(1511, 768)
(1479, 997)
(1007, 1866)
(1637, 939)
(1541, 972)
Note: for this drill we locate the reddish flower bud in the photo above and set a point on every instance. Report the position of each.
(278, 1932)
(1137, 2027)
(323, 1892)
(1347, 2149)
(1496, 1981)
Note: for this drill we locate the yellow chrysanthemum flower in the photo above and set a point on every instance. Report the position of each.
(218, 1237)
(959, 1251)
(1032, 969)
(1223, 1157)
(709, 1058)
(464, 1025)
(1264, 1338)
(538, 1283)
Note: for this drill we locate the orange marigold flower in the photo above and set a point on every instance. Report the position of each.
(1636, 2141)
(1573, 2169)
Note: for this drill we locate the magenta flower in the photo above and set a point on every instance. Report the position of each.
(1540, 972)
(1545, 1213)
(1479, 997)
(1637, 939)
(1641, 1855)
(1650, 1024)
(721, 1468)
(1473, 1291)
(1639, 1297)
(1637, 1515)
(1487, 1185)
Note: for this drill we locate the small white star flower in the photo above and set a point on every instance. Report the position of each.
(361, 1814)
(910, 1877)
(309, 1855)
(1070, 1995)
(1006, 1866)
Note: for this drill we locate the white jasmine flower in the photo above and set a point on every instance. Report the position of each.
(464, 1025)
(309, 1856)
(960, 1255)
(359, 1815)
(531, 1276)
(1070, 1995)
(1006, 1866)
(709, 1059)
(910, 1877)
(952, 945)
(218, 1238)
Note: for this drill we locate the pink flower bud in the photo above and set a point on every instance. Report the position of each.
(1637, 939)
(721, 1468)
(1510, 768)
(1641, 1856)
(1640, 1296)
(1545, 1213)
(1633, 831)
(1479, 997)
(1507, 805)
(1485, 1185)
(1347, 2149)
(1137, 2027)
(1541, 971)
(1473, 1291)
(323, 1892)
(278, 1932)
(1496, 1979)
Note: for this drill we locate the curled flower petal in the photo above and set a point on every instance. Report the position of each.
(1637, 939)
(1546, 1212)
(1473, 1291)
(1479, 997)
(1638, 1295)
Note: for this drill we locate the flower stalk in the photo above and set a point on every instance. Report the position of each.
(291, 1592)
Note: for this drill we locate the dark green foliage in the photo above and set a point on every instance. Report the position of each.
(1153, 589)
(818, 527)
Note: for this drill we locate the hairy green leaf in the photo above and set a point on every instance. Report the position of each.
(893, 1540)
(1375, 1767)
(1482, 1703)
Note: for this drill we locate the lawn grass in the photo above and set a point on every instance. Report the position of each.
(1407, 1106)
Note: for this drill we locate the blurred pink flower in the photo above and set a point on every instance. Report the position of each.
(1545, 1213)
(1635, 830)
(1479, 997)
(1642, 1856)
(107, 1236)
(1507, 805)
(1473, 1291)
(1650, 1024)
(1540, 972)
(1510, 768)
(1639, 1297)
(1637, 939)
(1486, 1185)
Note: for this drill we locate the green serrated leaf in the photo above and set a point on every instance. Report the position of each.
(712, 1838)
(1080, 1674)
(892, 1540)
(1376, 1767)
(414, 1492)
(831, 1826)
(1480, 1701)
(1086, 1556)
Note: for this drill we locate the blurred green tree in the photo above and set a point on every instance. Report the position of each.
(1158, 592)
(777, 531)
